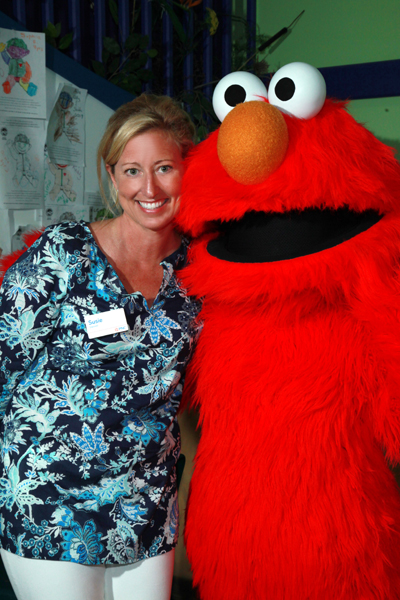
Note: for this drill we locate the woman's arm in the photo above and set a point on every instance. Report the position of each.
(31, 295)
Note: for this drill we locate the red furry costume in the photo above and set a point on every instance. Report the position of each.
(297, 370)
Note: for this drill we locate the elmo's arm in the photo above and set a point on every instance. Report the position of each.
(381, 315)
(386, 406)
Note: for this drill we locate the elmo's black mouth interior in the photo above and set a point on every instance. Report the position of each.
(268, 237)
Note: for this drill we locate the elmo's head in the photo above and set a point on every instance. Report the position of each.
(288, 151)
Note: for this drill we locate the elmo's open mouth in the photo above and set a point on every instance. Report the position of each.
(268, 237)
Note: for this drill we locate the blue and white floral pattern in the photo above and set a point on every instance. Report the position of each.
(88, 437)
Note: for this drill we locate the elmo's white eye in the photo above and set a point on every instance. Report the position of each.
(298, 89)
(234, 89)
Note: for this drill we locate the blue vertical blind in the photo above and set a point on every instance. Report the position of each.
(99, 28)
(168, 54)
(74, 23)
(205, 61)
(147, 30)
(20, 12)
(124, 19)
(208, 53)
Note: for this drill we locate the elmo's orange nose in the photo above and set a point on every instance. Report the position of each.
(252, 141)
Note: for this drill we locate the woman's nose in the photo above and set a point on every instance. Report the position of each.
(150, 186)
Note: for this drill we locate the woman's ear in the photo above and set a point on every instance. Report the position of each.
(110, 171)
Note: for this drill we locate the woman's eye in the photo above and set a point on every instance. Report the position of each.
(234, 89)
(132, 171)
(165, 168)
(298, 89)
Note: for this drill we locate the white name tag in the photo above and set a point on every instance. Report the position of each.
(106, 323)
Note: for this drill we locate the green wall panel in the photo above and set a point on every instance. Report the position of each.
(340, 32)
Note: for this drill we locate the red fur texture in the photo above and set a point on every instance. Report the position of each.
(7, 260)
(298, 381)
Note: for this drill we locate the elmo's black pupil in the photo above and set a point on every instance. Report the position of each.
(235, 94)
(285, 89)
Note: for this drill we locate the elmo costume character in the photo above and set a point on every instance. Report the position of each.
(297, 371)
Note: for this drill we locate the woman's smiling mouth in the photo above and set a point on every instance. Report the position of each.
(152, 205)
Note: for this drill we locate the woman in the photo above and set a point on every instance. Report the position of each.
(95, 335)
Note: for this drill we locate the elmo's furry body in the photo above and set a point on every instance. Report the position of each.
(297, 377)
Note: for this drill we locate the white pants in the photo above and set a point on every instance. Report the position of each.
(34, 579)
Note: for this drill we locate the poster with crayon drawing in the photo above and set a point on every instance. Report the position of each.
(22, 74)
(63, 184)
(21, 162)
(66, 129)
(57, 214)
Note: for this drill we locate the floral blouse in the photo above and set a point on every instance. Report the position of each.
(89, 438)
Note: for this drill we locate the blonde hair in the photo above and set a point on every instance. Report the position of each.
(144, 113)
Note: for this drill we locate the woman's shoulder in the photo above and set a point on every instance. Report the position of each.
(56, 233)
(72, 235)
(67, 230)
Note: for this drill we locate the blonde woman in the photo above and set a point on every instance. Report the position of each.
(95, 336)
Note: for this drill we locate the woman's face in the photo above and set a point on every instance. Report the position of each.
(148, 179)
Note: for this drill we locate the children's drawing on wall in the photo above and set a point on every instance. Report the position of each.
(19, 70)
(78, 212)
(24, 175)
(67, 122)
(58, 214)
(93, 198)
(98, 210)
(5, 232)
(22, 73)
(21, 162)
(63, 184)
(65, 133)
